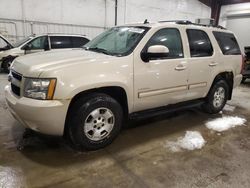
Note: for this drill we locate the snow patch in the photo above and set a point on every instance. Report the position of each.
(191, 141)
(225, 123)
(229, 108)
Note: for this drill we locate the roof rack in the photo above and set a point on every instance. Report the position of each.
(177, 21)
(187, 22)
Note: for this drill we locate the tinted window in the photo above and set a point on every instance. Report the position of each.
(171, 39)
(79, 41)
(227, 43)
(199, 43)
(58, 42)
(38, 43)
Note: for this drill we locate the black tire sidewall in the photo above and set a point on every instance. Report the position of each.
(81, 111)
(209, 107)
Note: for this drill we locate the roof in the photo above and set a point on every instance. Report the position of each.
(58, 34)
(180, 23)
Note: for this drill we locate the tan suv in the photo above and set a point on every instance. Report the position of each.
(125, 72)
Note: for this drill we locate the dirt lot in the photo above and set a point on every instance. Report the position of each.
(139, 157)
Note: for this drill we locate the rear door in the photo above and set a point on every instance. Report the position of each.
(60, 42)
(201, 62)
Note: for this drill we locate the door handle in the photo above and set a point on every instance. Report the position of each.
(213, 64)
(180, 67)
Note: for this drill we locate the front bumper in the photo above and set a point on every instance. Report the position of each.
(44, 116)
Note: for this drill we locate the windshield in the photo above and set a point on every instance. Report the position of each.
(4, 44)
(118, 41)
(20, 42)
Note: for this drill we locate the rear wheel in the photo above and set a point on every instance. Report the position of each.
(94, 121)
(243, 80)
(217, 97)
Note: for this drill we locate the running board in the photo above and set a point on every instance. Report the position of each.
(166, 109)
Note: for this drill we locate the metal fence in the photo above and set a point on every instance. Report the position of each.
(14, 29)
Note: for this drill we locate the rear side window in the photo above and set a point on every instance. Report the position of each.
(227, 43)
(58, 42)
(199, 43)
(78, 42)
(171, 38)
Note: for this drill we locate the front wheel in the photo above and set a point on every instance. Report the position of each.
(217, 97)
(95, 121)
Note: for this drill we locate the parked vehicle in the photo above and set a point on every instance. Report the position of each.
(246, 67)
(40, 43)
(4, 44)
(126, 72)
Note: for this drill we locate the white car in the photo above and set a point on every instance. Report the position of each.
(4, 44)
(126, 72)
(34, 44)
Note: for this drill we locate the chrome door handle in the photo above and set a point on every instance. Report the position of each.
(213, 64)
(180, 68)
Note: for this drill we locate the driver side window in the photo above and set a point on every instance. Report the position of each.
(171, 38)
(38, 43)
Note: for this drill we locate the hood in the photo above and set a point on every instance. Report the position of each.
(11, 52)
(34, 64)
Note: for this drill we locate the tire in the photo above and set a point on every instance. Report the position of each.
(243, 80)
(94, 121)
(217, 97)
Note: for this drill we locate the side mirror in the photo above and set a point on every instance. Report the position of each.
(155, 52)
(26, 48)
(158, 49)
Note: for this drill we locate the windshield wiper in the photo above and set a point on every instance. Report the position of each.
(101, 50)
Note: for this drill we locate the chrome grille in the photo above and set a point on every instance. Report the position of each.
(15, 89)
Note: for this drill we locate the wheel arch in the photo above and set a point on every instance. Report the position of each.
(116, 92)
(228, 76)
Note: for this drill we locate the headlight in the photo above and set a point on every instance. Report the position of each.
(39, 88)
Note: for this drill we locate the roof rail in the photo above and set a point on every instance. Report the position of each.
(187, 22)
(51, 33)
(177, 21)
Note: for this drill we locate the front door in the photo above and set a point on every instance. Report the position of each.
(163, 80)
(38, 44)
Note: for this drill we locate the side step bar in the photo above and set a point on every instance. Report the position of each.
(166, 109)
